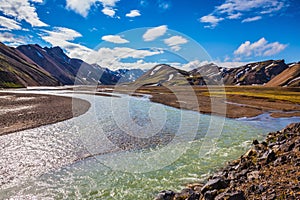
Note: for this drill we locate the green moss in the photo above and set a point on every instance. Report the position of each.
(11, 85)
(271, 96)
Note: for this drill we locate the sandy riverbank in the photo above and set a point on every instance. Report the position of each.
(232, 102)
(25, 111)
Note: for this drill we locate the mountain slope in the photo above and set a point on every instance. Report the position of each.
(17, 70)
(128, 75)
(289, 77)
(163, 75)
(52, 60)
(254, 73)
(209, 74)
(67, 70)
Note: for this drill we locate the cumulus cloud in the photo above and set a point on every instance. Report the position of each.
(11, 39)
(37, 1)
(212, 20)
(108, 11)
(235, 9)
(231, 6)
(21, 10)
(175, 41)
(60, 34)
(114, 39)
(83, 7)
(153, 33)
(106, 57)
(63, 37)
(259, 48)
(235, 15)
(9, 24)
(113, 57)
(133, 13)
(252, 19)
(228, 64)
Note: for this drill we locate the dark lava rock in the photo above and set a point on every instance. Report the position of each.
(237, 196)
(255, 142)
(291, 147)
(269, 156)
(165, 195)
(184, 194)
(194, 196)
(213, 184)
(210, 195)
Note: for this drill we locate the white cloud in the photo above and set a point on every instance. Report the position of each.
(235, 9)
(192, 65)
(230, 64)
(212, 20)
(60, 34)
(83, 7)
(112, 57)
(106, 57)
(108, 11)
(133, 13)
(252, 19)
(197, 63)
(259, 48)
(79, 6)
(235, 16)
(153, 33)
(63, 37)
(36, 1)
(9, 24)
(175, 41)
(114, 39)
(21, 10)
(231, 6)
(11, 39)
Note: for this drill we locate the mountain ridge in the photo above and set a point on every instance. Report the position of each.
(256, 73)
(51, 66)
(17, 70)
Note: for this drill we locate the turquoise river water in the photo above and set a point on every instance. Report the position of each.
(123, 148)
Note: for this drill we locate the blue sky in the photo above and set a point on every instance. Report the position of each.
(142, 33)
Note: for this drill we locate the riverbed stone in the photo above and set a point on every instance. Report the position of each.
(210, 195)
(165, 195)
(217, 183)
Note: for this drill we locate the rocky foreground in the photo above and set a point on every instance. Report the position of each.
(269, 170)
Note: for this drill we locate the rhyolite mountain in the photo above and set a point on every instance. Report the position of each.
(257, 73)
(163, 75)
(208, 74)
(67, 70)
(289, 77)
(32, 65)
(71, 71)
(17, 70)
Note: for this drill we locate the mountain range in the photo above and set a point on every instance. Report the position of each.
(32, 65)
(269, 73)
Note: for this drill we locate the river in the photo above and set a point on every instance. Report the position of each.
(123, 148)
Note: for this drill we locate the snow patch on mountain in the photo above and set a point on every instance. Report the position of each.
(155, 70)
(171, 76)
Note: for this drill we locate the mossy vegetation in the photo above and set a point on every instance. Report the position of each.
(272, 94)
(10, 85)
